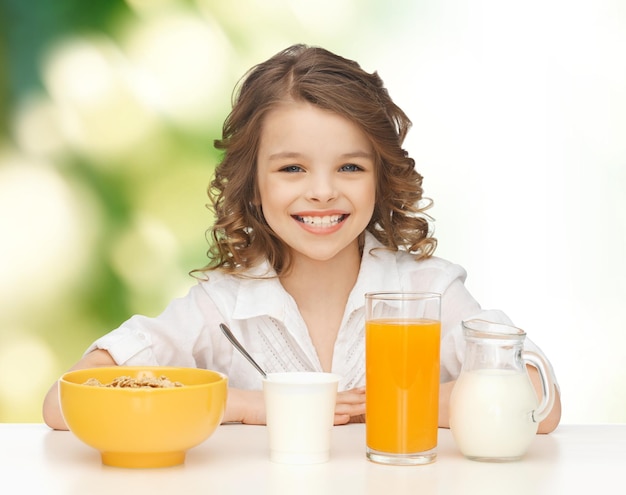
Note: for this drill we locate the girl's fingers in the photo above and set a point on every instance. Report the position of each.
(350, 405)
(353, 396)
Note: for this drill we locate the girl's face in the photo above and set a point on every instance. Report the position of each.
(316, 179)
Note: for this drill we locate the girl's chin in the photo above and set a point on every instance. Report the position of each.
(319, 254)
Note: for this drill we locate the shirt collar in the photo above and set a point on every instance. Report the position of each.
(261, 294)
(266, 296)
(378, 272)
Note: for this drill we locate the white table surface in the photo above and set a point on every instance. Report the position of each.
(588, 459)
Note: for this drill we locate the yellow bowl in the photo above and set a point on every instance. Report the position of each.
(143, 427)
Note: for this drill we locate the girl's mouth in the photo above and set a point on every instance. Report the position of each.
(321, 221)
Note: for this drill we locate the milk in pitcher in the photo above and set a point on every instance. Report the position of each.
(491, 414)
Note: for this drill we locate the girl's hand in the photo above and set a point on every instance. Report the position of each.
(245, 406)
(248, 407)
(350, 406)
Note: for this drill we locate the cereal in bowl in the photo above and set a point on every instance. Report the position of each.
(140, 382)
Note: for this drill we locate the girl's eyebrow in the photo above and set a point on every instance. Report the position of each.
(284, 154)
(344, 156)
(358, 154)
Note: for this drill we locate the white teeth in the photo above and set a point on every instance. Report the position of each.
(325, 221)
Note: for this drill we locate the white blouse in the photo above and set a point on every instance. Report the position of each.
(266, 320)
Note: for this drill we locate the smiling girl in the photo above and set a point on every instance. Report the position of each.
(316, 203)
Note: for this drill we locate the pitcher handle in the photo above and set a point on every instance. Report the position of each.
(547, 385)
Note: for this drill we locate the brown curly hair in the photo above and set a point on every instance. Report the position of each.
(240, 237)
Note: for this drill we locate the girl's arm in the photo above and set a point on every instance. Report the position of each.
(552, 421)
(51, 406)
(243, 406)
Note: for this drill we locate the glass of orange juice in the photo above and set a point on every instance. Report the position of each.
(402, 341)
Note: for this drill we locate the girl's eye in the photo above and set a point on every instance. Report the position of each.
(350, 167)
(291, 168)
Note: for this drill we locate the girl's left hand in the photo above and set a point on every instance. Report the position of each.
(350, 406)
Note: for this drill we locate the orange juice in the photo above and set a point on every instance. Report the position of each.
(402, 384)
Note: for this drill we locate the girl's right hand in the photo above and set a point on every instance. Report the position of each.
(245, 406)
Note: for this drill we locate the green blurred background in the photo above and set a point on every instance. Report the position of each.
(108, 112)
(109, 109)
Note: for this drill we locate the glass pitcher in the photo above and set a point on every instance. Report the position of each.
(494, 410)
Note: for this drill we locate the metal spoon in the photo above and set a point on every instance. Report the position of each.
(233, 340)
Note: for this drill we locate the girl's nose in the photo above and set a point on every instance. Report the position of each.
(322, 189)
